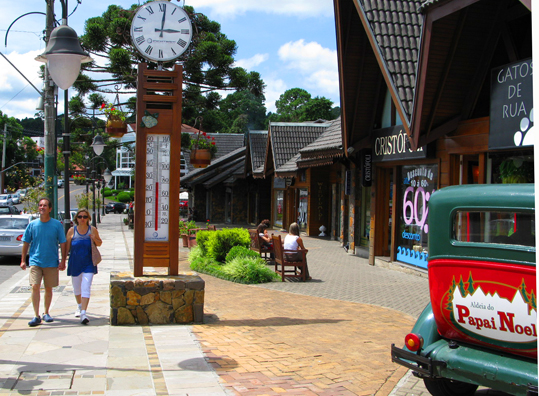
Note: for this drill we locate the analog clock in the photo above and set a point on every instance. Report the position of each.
(161, 31)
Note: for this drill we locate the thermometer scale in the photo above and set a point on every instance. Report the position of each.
(156, 204)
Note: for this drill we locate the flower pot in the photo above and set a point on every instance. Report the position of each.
(185, 240)
(200, 158)
(116, 128)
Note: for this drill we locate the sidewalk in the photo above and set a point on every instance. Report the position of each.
(330, 336)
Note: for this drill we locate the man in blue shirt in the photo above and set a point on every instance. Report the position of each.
(42, 237)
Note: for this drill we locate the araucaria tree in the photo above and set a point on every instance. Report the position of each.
(208, 63)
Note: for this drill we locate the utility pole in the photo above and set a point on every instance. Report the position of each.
(50, 119)
(4, 157)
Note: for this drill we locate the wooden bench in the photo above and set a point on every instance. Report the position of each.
(264, 251)
(285, 267)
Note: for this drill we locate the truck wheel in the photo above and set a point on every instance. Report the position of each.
(447, 387)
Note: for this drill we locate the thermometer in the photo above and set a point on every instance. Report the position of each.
(156, 205)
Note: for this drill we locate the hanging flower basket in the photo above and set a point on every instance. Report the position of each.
(200, 158)
(116, 127)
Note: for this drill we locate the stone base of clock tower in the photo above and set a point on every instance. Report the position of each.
(156, 299)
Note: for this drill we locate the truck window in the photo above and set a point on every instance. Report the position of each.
(496, 227)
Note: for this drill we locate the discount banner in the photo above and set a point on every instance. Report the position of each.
(418, 183)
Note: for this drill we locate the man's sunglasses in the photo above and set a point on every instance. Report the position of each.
(82, 217)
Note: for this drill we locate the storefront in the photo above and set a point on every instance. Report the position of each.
(405, 179)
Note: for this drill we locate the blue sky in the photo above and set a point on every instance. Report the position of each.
(291, 43)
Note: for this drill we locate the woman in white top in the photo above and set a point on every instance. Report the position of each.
(293, 241)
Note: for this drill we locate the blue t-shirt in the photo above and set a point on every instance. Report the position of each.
(44, 238)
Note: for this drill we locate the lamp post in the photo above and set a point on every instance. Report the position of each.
(107, 176)
(63, 56)
(98, 145)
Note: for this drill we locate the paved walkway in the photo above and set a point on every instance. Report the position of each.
(330, 336)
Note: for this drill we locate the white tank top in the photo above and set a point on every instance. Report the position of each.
(291, 242)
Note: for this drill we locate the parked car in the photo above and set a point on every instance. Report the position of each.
(9, 210)
(22, 192)
(11, 230)
(480, 328)
(73, 213)
(60, 183)
(16, 198)
(184, 204)
(6, 200)
(115, 207)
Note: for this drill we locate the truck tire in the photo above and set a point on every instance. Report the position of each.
(447, 387)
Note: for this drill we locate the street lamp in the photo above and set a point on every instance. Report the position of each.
(98, 144)
(63, 56)
(107, 176)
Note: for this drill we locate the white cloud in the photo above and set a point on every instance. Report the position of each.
(275, 87)
(252, 61)
(298, 8)
(10, 79)
(317, 65)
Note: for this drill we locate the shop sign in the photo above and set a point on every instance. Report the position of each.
(418, 182)
(366, 168)
(392, 144)
(511, 106)
(279, 182)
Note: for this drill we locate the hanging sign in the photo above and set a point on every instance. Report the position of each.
(366, 168)
(511, 106)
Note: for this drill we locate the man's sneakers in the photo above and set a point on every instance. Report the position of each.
(34, 322)
(77, 312)
(84, 319)
(47, 318)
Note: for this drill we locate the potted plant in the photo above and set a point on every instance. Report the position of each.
(116, 124)
(203, 149)
(186, 229)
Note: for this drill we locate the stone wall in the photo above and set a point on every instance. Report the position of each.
(156, 299)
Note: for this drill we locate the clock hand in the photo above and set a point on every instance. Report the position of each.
(163, 20)
(166, 31)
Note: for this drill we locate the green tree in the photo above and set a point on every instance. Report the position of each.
(242, 110)
(208, 63)
(296, 105)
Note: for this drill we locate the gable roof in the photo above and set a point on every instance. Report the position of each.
(258, 141)
(285, 139)
(218, 166)
(325, 149)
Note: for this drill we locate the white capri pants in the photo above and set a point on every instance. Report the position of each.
(82, 284)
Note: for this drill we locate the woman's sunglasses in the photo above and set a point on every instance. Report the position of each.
(82, 217)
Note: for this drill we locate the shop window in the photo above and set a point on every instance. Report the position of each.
(418, 182)
(302, 208)
(278, 208)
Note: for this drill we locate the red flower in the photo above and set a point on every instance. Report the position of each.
(213, 139)
(103, 105)
(203, 133)
(213, 143)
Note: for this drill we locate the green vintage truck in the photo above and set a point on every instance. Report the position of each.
(480, 328)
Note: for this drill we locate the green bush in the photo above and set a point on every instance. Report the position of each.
(123, 197)
(220, 242)
(132, 195)
(202, 240)
(108, 192)
(248, 270)
(240, 251)
(114, 192)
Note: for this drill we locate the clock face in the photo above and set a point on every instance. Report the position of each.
(156, 205)
(161, 31)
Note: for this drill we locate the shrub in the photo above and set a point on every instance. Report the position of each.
(220, 242)
(107, 192)
(123, 197)
(202, 240)
(132, 195)
(248, 270)
(114, 192)
(240, 251)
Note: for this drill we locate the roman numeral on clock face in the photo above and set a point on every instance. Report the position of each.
(140, 39)
(182, 20)
(148, 49)
(184, 31)
(182, 43)
(160, 53)
(150, 10)
(138, 29)
(162, 7)
(172, 49)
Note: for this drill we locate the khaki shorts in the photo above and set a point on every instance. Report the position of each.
(50, 276)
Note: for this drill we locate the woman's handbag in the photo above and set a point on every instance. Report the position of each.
(96, 256)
